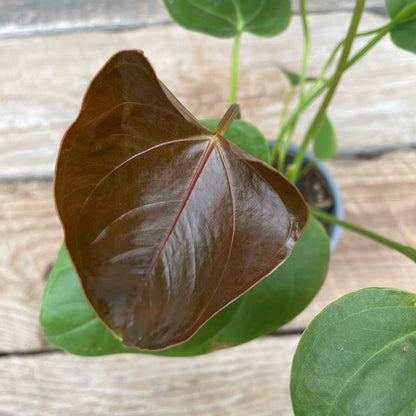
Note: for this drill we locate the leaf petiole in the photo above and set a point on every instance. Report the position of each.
(321, 77)
(234, 68)
(408, 251)
(306, 49)
(232, 113)
(294, 169)
(406, 14)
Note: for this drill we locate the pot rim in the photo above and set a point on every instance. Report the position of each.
(338, 209)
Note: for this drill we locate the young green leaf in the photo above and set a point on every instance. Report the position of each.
(166, 222)
(245, 135)
(404, 34)
(69, 322)
(227, 18)
(324, 140)
(294, 78)
(358, 357)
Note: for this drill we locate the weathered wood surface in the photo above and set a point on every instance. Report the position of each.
(28, 17)
(42, 93)
(30, 235)
(252, 379)
(42, 81)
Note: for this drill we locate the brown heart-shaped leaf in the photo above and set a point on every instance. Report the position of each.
(166, 222)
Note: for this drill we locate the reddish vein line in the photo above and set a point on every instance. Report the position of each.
(230, 187)
(197, 174)
(107, 175)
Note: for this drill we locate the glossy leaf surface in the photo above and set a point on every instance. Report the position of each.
(324, 140)
(227, 18)
(404, 34)
(358, 357)
(69, 322)
(166, 222)
(277, 299)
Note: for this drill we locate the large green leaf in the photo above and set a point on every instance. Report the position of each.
(69, 322)
(245, 135)
(227, 18)
(358, 357)
(404, 34)
(324, 140)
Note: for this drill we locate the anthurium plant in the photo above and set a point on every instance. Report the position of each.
(184, 236)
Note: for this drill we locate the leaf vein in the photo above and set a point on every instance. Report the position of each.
(373, 356)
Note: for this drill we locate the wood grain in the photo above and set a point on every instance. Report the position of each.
(378, 193)
(252, 379)
(374, 106)
(28, 17)
(30, 235)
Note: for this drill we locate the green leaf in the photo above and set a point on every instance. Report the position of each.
(358, 357)
(245, 135)
(294, 78)
(324, 140)
(291, 76)
(227, 18)
(69, 322)
(404, 34)
(67, 319)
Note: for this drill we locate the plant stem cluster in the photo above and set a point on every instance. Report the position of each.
(320, 85)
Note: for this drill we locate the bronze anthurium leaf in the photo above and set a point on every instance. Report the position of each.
(165, 222)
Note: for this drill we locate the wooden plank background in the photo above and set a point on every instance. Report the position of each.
(42, 80)
(45, 17)
(39, 104)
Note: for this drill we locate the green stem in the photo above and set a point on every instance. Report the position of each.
(401, 17)
(284, 148)
(284, 141)
(234, 68)
(306, 49)
(334, 53)
(227, 119)
(293, 170)
(287, 102)
(406, 250)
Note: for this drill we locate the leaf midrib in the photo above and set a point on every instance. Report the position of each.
(202, 163)
(230, 186)
(218, 16)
